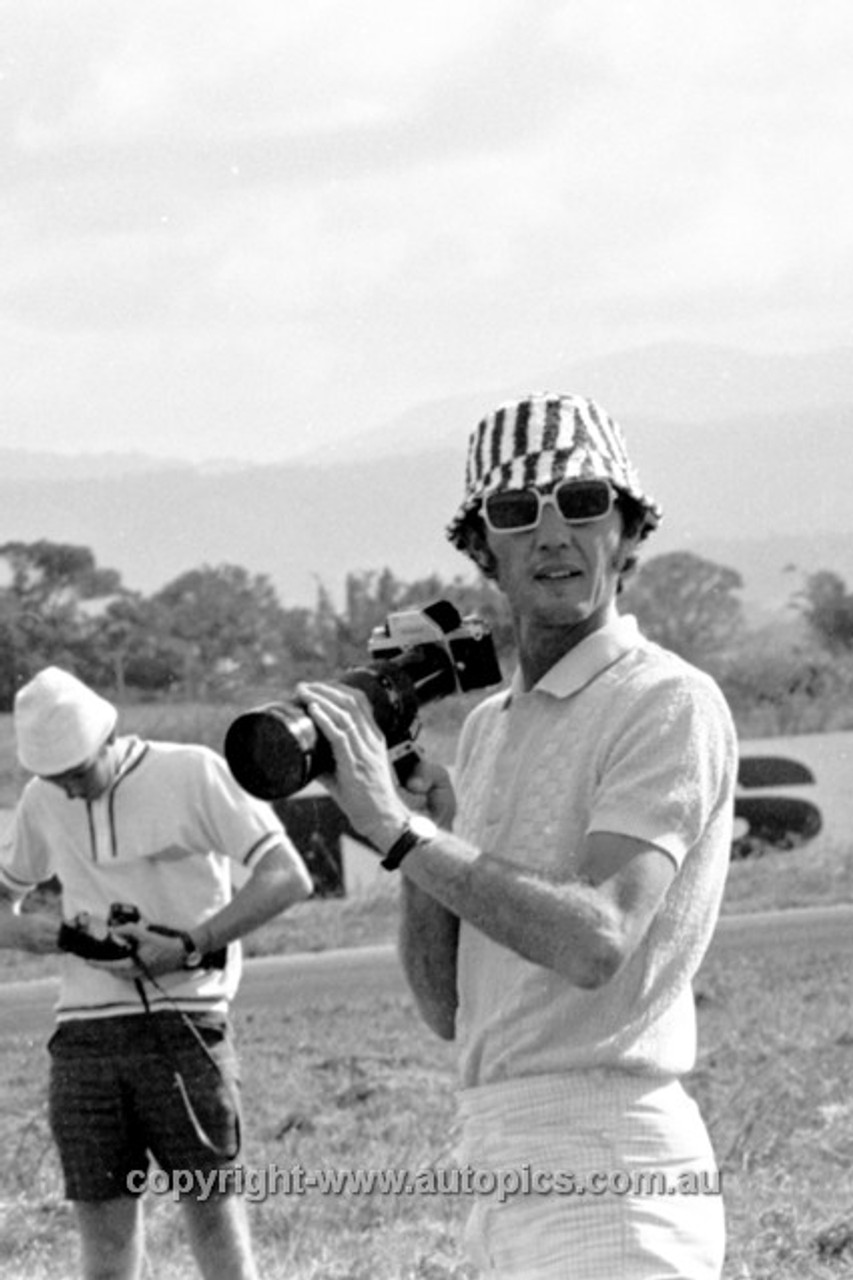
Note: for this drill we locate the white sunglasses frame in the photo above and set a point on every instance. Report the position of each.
(548, 499)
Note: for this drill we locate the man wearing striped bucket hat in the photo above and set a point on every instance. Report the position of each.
(556, 931)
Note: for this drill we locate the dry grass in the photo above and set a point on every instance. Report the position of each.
(334, 1086)
(362, 1084)
(773, 1079)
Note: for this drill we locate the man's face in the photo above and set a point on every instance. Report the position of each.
(559, 574)
(90, 780)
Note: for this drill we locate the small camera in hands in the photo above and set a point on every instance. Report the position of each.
(96, 940)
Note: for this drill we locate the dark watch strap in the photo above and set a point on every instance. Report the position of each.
(404, 844)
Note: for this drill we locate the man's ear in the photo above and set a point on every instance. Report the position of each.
(477, 546)
(625, 557)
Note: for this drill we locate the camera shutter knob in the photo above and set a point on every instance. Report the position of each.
(418, 830)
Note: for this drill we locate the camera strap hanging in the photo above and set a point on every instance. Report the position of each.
(180, 1084)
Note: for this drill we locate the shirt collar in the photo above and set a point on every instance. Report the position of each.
(129, 751)
(594, 654)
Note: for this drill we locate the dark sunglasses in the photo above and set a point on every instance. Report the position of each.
(577, 501)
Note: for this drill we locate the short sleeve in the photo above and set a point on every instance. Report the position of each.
(668, 766)
(25, 856)
(236, 823)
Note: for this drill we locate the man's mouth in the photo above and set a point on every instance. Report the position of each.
(557, 574)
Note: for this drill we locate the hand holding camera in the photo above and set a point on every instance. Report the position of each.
(362, 783)
(32, 931)
(130, 947)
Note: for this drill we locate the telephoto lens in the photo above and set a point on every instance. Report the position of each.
(275, 750)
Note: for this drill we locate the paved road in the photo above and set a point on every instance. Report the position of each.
(25, 1007)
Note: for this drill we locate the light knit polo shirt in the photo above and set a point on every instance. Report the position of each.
(621, 736)
(164, 838)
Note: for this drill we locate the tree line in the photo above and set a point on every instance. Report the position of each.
(221, 632)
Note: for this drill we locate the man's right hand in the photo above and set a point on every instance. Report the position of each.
(32, 931)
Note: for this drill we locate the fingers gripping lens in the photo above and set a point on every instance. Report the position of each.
(577, 501)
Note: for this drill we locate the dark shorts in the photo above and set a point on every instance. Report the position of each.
(128, 1088)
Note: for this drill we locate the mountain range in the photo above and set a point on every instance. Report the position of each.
(750, 456)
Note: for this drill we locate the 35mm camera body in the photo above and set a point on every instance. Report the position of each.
(418, 655)
(93, 940)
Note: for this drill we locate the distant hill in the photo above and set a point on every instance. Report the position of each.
(750, 456)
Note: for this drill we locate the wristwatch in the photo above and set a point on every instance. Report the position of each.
(192, 956)
(418, 830)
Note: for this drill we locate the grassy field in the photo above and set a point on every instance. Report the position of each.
(361, 1084)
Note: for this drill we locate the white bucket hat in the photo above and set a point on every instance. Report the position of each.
(538, 441)
(60, 723)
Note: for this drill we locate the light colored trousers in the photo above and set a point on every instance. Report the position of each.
(626, 1182)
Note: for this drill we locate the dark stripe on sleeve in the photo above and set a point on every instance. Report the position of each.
(274, 836)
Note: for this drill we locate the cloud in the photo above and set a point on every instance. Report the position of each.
(126, 75)
(319, 204)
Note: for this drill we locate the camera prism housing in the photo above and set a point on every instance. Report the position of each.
(418, 655)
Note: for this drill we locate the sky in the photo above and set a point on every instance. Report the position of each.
(243, 230)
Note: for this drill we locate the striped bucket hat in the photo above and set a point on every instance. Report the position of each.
(538, 441)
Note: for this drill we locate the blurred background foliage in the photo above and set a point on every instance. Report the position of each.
(219, 634)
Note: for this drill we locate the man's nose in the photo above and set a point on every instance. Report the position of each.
(552, 527)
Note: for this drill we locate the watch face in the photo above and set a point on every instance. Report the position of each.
(423, 827)
(418, 829)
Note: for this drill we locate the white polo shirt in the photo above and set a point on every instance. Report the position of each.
(164, 838)
(623, 736)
